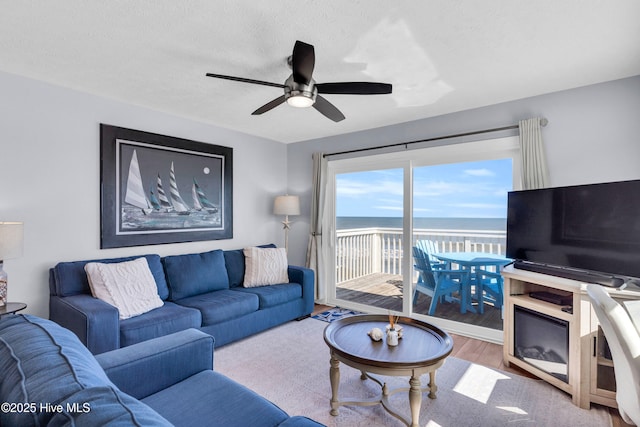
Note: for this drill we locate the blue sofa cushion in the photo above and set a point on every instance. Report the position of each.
(164, 320)
(234, 260)
(44, 363)
(215, 398)
(195, 274)
(219, 306)
(102, 406)
(272, 295)
(69, 278)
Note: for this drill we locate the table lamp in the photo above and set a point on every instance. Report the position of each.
(286, 205)
(11, 237)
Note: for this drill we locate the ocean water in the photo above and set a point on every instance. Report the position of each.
(349, 222)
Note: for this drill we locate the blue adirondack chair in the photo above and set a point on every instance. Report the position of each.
(436, 282)
(429, 248)
(488, 288)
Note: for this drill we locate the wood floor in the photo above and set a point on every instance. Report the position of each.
(489, 355)
(385, 291)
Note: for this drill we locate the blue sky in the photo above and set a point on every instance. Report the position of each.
(457, 190)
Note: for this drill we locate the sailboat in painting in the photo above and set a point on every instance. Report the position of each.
(194, 195)
(154, 200)
(134, 194)
(200, 201)
(165, 204)
(178, 204)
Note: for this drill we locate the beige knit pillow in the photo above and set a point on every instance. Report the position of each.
(265, 266)
(129, 286)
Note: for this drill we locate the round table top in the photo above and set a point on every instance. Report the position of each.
(422, 344)
(12, 307)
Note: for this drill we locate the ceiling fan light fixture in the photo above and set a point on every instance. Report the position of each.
(299, 95)
(301, 100)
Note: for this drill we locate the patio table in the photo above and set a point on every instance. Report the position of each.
(471, 261)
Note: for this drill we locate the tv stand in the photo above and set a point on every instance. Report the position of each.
(590, 375)
(571, 273)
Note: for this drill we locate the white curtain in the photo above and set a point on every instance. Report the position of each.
(315, 259)
(534, 165)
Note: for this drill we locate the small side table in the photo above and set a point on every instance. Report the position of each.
(422, 350)
(12, 308)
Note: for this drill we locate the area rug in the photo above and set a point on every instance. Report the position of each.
(335, 314)
(289, 365)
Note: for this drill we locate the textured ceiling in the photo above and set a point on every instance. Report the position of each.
(441, 56)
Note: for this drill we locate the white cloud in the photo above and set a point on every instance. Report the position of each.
(479, 172)
(348, 187)
(438, 188)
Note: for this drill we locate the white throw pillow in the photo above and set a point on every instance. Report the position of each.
(265, 266)
(128, 285)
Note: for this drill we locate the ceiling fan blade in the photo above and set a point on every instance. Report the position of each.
(328, 109)
(243, 80)
(269, 105)
(302, 62)
(354, 88)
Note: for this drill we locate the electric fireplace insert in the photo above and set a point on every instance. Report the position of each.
(542, 341)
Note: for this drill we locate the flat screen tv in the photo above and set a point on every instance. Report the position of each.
(589, 232)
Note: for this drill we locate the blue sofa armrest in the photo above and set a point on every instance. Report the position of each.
(305, 277)
(95, 322)
(150, 366)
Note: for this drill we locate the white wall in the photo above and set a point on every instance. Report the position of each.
(593, 136)
(50, 179)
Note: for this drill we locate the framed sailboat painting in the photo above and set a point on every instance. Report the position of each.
(158, 189)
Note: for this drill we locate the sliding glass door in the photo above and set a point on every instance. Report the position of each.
(445, 199)
(368, 237)
(458, 208)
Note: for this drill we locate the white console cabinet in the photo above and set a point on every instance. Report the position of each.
(590, 369)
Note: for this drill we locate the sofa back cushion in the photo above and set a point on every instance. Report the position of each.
(70, 278)
(235, 262)
(195, 274)
(43, 363)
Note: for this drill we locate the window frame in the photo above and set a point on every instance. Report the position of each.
(497, 148)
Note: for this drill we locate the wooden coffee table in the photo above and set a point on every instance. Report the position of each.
(422, 349)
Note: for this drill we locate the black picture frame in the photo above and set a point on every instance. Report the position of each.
(157, 189)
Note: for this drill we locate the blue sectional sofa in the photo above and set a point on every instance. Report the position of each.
(202, 291)
(50, 378)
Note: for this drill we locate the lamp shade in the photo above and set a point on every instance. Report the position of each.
(286, 205)
(11, 237)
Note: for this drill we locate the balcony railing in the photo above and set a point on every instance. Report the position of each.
(363, 251)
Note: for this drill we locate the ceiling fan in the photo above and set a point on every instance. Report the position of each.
(300, 90)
